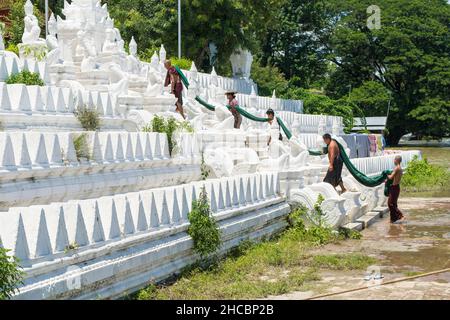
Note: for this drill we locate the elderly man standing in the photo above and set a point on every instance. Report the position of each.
(174, 79)
(334, 173)
(394, 191)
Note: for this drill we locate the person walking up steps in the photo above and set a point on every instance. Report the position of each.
(233, 103)
(394, 191)
(174, 79)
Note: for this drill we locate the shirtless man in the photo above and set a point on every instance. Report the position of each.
(174, 79)
(334, 173)
(394, 190)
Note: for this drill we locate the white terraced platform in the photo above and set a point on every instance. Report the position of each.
(40, 168)
(108, 216)
(133, 235)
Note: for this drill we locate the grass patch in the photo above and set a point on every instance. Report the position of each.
(412, 273)
(352, 261)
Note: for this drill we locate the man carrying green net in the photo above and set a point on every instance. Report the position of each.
(334, 173)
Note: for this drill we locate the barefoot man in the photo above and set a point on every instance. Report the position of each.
(394, 190)
(334, 173)
(174, 79)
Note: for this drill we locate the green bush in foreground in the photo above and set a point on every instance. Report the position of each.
(203, 227)
(27, 78)
(10, 274)
(423, 176)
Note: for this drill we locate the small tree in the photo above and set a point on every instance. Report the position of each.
(203, 227)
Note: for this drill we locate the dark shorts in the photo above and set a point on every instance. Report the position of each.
(335, 177)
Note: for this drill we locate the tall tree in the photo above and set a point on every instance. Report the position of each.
(293, 46)
(409, 55)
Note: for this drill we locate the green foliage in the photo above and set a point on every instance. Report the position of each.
(317, 233)
(169, 127)
(228, 24)
(37, 52)
(372, 98)
(355, 261)
(182, 63)
(13, 48)
(89, 119)
(297, 216)
(345, 233)
(203, 227)
(423, 176)
(293, 43)
(27, 78)
(269, 78)
(408, 56)
(81, 147)
(10, 274)
(71, 247)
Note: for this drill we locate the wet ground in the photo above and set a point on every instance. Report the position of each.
(419, 246)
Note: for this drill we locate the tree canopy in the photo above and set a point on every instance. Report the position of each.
(324, 45)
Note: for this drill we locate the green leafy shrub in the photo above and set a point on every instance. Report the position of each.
(13, 48)
(81, 147)
(349, 234)
(169, 127)
(203, 227)
(27, 78)
(317, 232)
(10, 274)
(89, 119)
(182, 63)
(423, 176)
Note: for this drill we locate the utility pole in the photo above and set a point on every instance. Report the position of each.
(46, 18)
(179, 29)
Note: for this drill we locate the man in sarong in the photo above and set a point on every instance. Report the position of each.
(394, 191)
(174, 79)
(334, 173)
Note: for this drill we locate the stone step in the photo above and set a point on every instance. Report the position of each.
(368, 219)
(356, 226)
(382, 210)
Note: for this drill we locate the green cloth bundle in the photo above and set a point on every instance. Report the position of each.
(247, 114)
(358, 175)
(183, 77)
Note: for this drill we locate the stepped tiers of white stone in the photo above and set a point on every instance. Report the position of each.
(116, 243)
(40, 168)
(274, 103)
